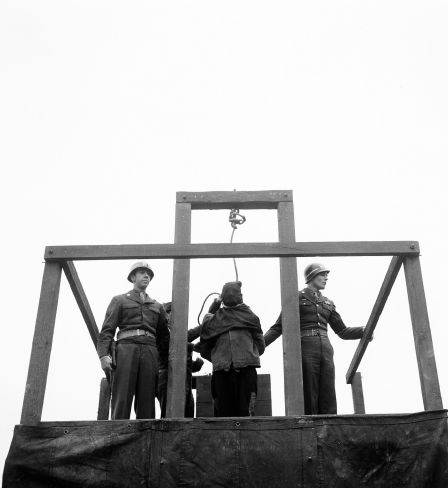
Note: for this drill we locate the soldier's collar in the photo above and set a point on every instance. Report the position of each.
(312, 295)
(134, 294)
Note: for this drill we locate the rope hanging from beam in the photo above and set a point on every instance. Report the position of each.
(235, 219)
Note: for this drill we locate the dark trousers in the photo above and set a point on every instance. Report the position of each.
(162, 390)
(135, 376)
(318, 376)
(234, 392)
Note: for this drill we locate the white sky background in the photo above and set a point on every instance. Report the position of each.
(108, 108)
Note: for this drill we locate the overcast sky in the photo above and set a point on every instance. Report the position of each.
(108, 108)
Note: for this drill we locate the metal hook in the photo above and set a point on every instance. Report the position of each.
(235, 218)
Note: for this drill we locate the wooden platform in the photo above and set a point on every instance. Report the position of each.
(350, 451)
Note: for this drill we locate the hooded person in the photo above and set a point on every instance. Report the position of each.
(232, 339)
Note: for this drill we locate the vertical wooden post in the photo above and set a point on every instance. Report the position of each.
(358, 394)
(177, 365)
(104, 400)
(429, 380)
(292, 350)
(43, 339)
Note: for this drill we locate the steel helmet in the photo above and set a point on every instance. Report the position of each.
(140, 265)
(313, 270)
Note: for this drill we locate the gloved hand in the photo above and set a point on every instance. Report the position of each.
(197, 365)
(215, 306)
(106, 364)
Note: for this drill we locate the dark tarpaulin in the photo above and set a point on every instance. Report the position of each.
(320, 451)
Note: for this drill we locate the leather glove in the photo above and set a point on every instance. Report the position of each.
(215, 306)
(197, 365)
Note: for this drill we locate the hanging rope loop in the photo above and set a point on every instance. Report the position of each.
(235, 219)
(203, 305)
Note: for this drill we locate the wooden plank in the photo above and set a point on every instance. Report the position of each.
(429, 379)
(104, 400)
(177, 364)
(43, 339)
(263, 405)
(81, 300)
(213, 200)
(226, 250)
(377, 310)
(204, 400)
(292, 349)
(358, 394)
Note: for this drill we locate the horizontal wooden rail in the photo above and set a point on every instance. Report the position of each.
(212, 200)
(383, 294)
(81, 299)
(247, 250)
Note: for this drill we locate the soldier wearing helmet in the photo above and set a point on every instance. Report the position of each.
(143, 336)
(316, 313)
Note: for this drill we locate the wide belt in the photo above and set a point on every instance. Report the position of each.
(134, 332)
(313, 332)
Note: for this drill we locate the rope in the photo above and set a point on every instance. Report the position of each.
(235, 219)
(234, 260)
(203, 305)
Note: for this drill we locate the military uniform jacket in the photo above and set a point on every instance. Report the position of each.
(128, 312)
(316, 312)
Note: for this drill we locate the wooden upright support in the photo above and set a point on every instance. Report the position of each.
(104, 400)
(429, 380)
(179, 317)
(358, 394)
(292, 351)
(43, 338)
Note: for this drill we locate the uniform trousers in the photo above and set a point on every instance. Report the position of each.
(135, 378)
(318, 375)
(234, 391)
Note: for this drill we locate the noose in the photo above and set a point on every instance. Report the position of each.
(235, 219)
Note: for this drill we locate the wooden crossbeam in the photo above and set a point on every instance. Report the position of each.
(225, 250)
(81, 299)
(213, 200)
(380, 302)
